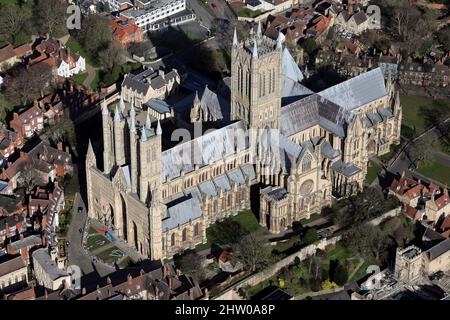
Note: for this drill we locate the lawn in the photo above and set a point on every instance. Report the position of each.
(111, 255)
(73, 45)
(436, 171)
(245, 218)
(372, 172)
(411, 107)
(95, 240)
(79, 78)
(245, 12)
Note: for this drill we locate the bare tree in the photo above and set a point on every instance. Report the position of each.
(52, 16)
(28, 178)
(252, 252)
(12, 20)
(111, 56)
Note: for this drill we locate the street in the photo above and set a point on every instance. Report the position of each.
(76, 254)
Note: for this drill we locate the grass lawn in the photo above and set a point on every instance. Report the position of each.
(245, 12)
(95, 240)
(282, 246)
(372, 172)
(443, 145)
(79, 78)
(245, 218)
(94, 83)
(76, 47)
(436, 171)
(411, 106)
(111, 255)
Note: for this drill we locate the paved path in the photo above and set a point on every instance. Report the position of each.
(91, 75)
(76, 254)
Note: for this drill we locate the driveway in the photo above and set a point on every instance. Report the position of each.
(76, 254)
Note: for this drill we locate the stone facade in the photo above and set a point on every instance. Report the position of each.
(301, 148)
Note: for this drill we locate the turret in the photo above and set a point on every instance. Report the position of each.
(108, 153)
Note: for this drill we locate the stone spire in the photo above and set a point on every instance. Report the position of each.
(158, 129)
(105, 110)
(117, 114)
(255, 50)
(235, 39)
(132, 111)
(133, 125)
(148, 122)
(122, 105)
(143, 134)
(280, 40)
(259, 31)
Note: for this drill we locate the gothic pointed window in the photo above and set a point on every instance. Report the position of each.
(184, 235)
(306, 164)
(172, 239)
(197, 229)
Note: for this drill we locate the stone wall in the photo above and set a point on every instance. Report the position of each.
(302, 255)
(389, 214)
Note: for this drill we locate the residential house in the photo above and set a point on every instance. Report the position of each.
(44, 207)
(46, 161)
(28, 121)
(11, 205)
(10, 141)
(424, 74)
(126, 32)
(52, 107)
(149, 84)
(64, 63)
(421, 201)
(355, 23)
(10, 56)
(23, 246)
(12, 226)
(13, 274)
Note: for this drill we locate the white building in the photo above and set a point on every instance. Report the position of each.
(153, 11)
(49, 269)
(70, 64)
(117, 5)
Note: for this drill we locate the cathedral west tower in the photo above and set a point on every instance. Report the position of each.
(256, 80)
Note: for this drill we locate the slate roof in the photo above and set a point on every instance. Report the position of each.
(43, 257)
(158, 105)
(203, 150)
(309, 111)
(347, 169)
(291, 77)
(142, 81)
(274, 193)
(357, 91)
(182, 212)
(210, 102)
(439, 249)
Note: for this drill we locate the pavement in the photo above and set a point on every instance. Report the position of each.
(76, 254)
(91, 75)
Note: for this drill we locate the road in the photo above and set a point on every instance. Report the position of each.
(76, 254)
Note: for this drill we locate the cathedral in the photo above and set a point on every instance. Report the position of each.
(282, 149)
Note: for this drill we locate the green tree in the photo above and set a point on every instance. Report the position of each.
(191, 263)
(95, 34)
(227, 231)
(310, 236)
(340, 275)
(13, 20)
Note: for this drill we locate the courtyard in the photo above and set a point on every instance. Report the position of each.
(103, 246)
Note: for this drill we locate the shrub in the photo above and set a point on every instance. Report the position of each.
(310, 236)
(327, 285)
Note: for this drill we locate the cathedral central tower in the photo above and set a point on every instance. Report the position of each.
(256, 80)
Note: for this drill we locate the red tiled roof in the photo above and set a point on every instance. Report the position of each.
(6, 53)
(411, 212)
(20, 51)
(446, 224)
(11, 265)
(414, 192)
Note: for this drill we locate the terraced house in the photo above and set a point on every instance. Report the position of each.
(294, 148)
